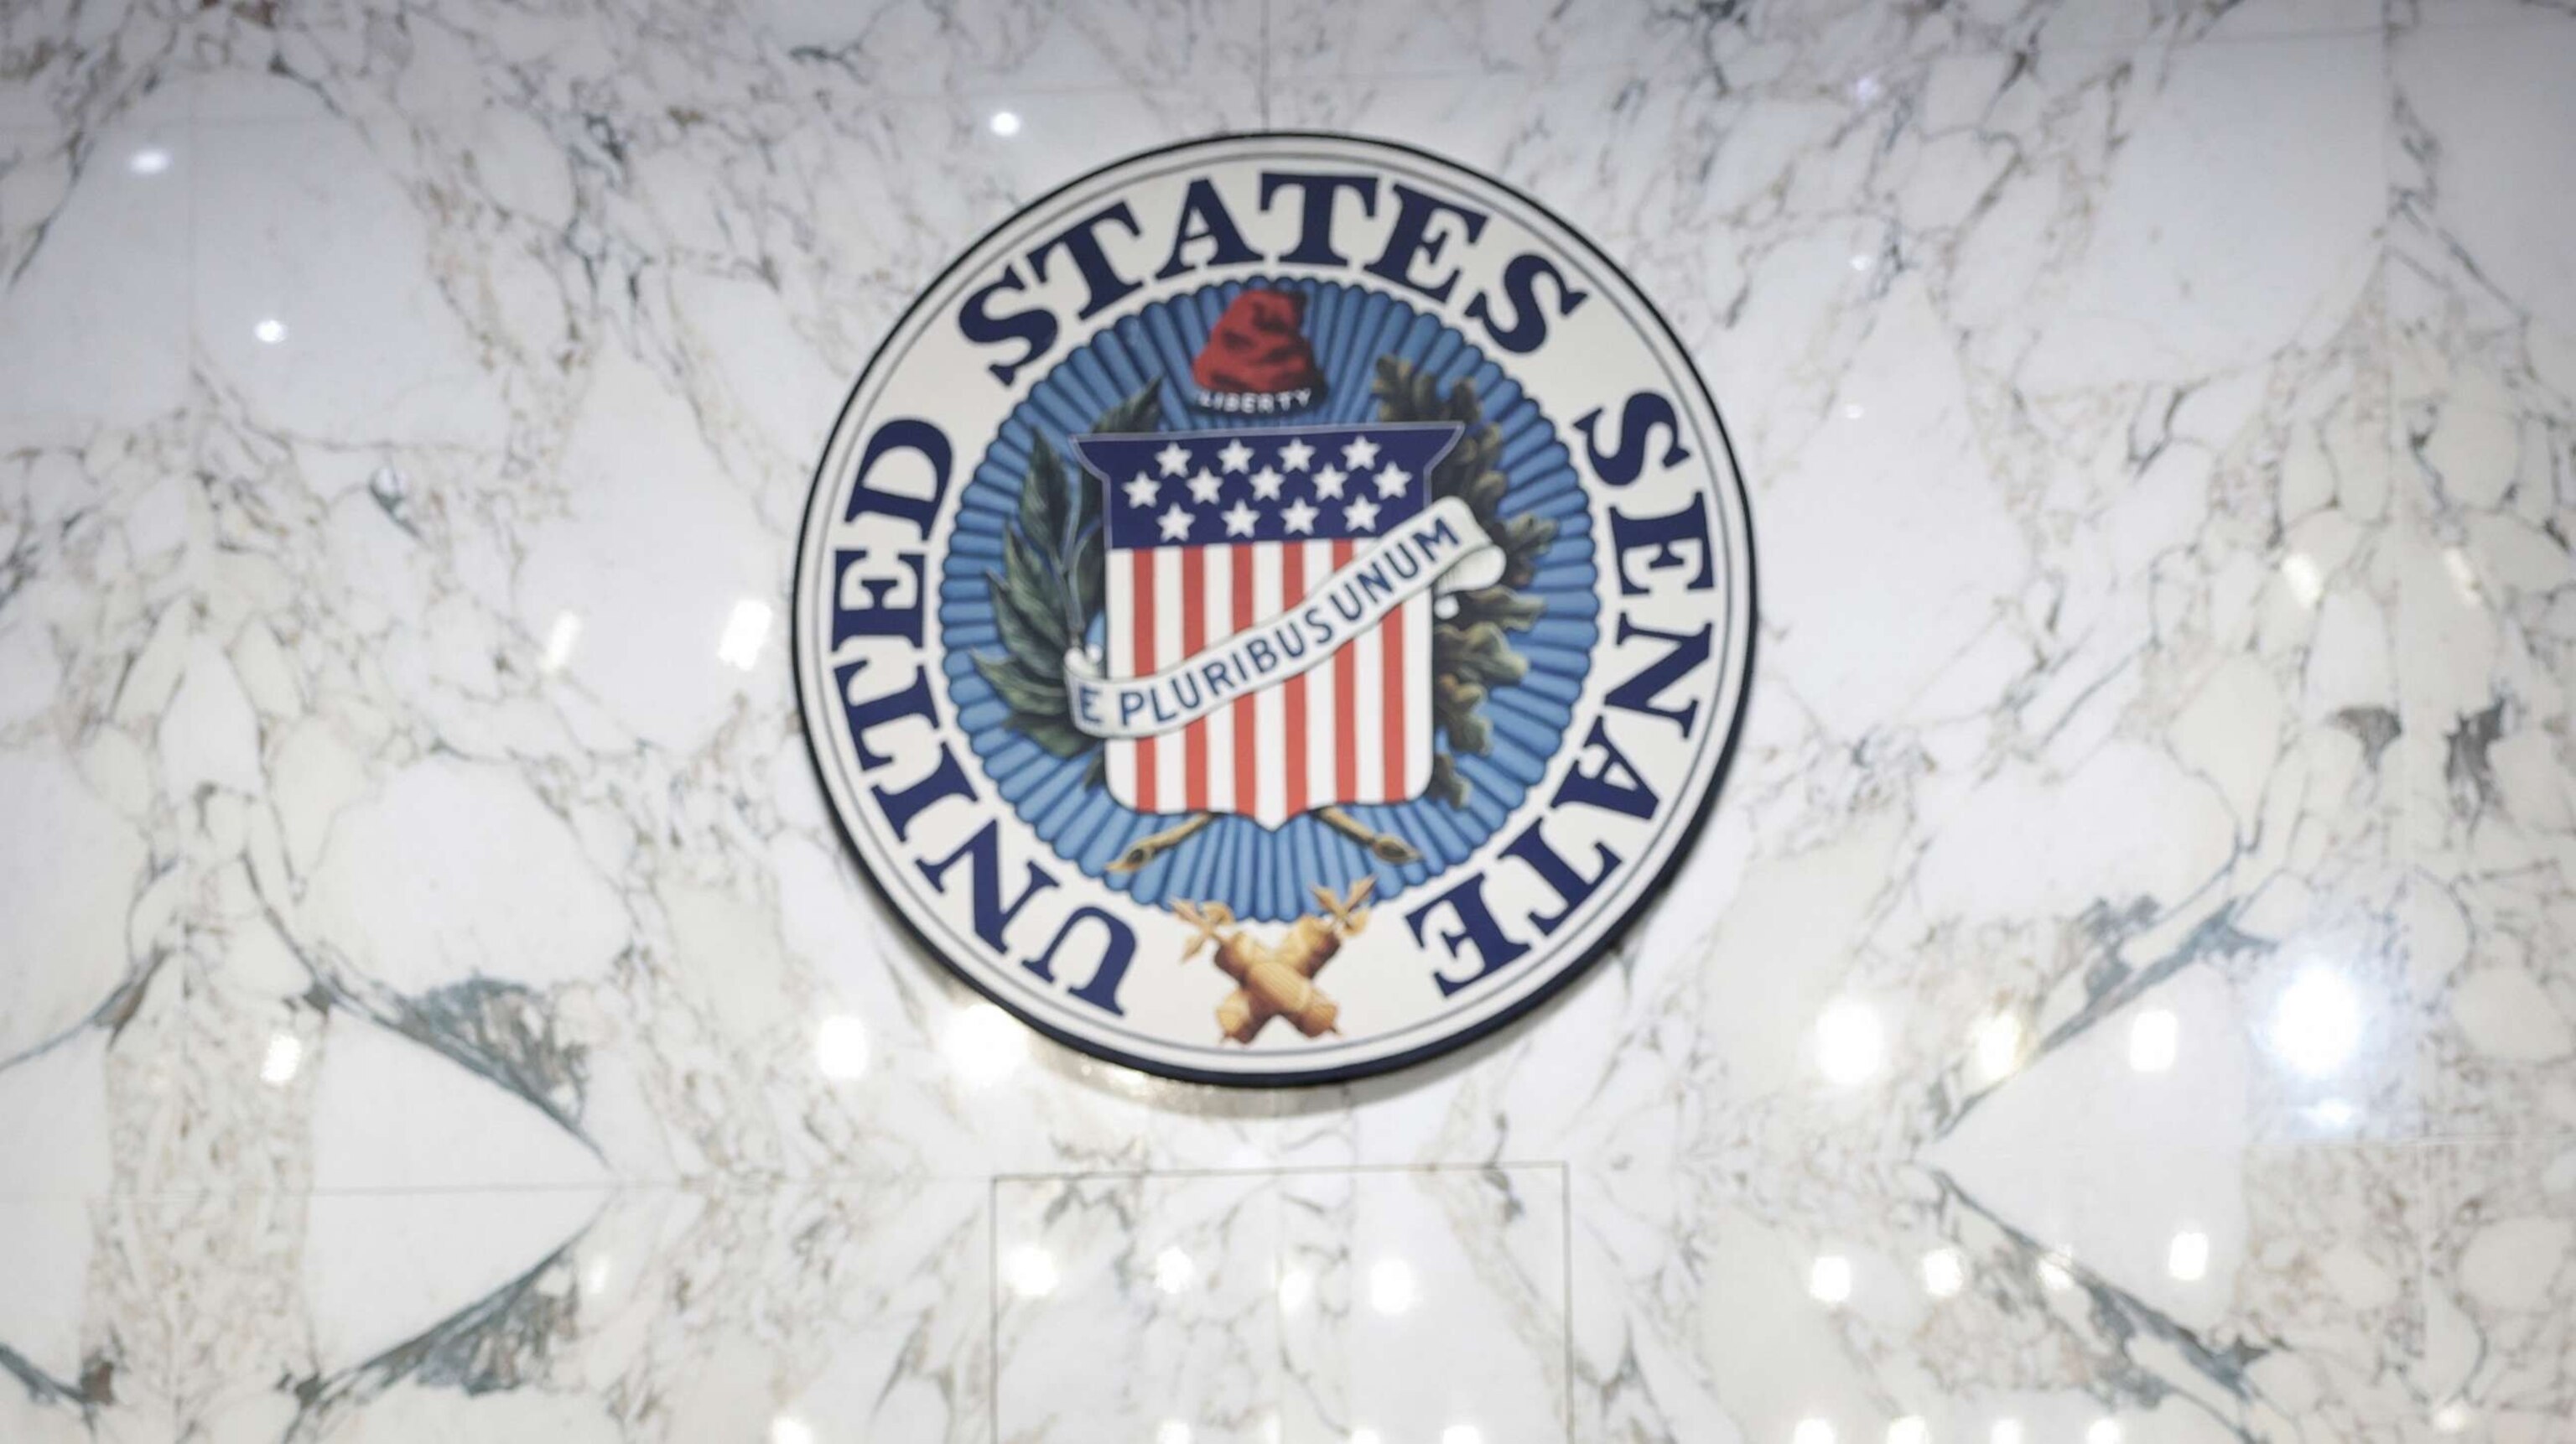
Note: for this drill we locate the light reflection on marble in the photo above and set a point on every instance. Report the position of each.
(2133, 945)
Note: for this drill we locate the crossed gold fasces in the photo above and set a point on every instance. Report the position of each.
(1277, 980)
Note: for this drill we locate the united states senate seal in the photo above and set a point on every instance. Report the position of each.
(1274, 609)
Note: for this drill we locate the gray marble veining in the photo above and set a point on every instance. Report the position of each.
(2124, 994)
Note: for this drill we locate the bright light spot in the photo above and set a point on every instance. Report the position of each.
(2306, 582)
(2317, 1023)
(1865, 89)
(1391, 1288)
(1366, 1435)
(1173, 1271)
(561, 638)
(984, 1045)
(151, 160)
(1006, 122)
(1172, 1432)
(1909, 1430)
(2154, 1037)
(270, 331)
(1862, 262)
(1295, 1287)
(1830, 1278)
(1944, 1272)
(1462, 1434)
(1270, 1430)
(841, 1047)
(2006, 1431)
(1849, 1042)
(285, 1055)
(2454, 1418)
(1999, 1045)
(2055, 1275)
(744, 631)
(2332, 1114)
(2187, 1257)
(595, 1276)
(1853, 411)
(787, 1430)
(2463, 576)
(1812, 1431)
(2104, 1431)
(1031, 1271)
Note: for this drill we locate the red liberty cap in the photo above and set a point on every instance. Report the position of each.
(1257, 359)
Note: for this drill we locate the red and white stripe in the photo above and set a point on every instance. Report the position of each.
(1356, 728)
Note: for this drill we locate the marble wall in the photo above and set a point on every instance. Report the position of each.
(2127, 993)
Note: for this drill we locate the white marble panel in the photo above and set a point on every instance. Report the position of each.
(66, 872)
(518, 1316)
(2447, 14)
(2271, 1295)
(1425, 1302)
(1800, 43)
(1311, 1306)
(55, 1171)
(2501, 1289)
(1136, 1307)
(94, 246)
(2483, 313)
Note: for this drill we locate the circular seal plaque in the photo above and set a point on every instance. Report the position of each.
(1274, 609)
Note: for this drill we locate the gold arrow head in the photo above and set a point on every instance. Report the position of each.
(1394, 851)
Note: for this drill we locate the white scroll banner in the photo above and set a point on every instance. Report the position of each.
(1442, 548)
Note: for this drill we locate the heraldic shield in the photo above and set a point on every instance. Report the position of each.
(1267, 615)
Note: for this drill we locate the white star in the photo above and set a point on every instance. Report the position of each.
(1392, 479)
(1296, 455)
(1175, 523)
(1203, 487)
(1144, 491)
(1360, 515)
(1174, 459)
(1361, 452)
(1239, 519)
(1265, 484)
(1328, 482)
(1299, 517)
(1235, 456)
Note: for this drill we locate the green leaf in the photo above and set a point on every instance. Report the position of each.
(1019, 691)
(1087, 570)
(1027, 602)
(1500, 606)
(1043, 502)
(1049, 589)
(1052, 732)
(1137, 414)
(1472, 734)
(1389, 383)
(1446, 784)
(1023, 637)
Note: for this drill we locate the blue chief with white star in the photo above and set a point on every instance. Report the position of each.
(1272, 484)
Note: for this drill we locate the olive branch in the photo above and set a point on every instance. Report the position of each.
(1470, 654)
(1048, 592)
